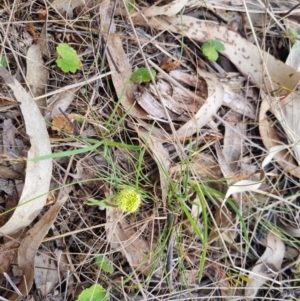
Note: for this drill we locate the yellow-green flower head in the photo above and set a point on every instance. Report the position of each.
(128, 199)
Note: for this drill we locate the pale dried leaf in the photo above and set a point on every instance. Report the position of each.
(30, 244)
(37, 75)
(38, 174)
(43, 41)
(241, 186)
(234, 98)
(266, 267)
(169, 9)
(233, 145)
(208, 109)
(232, 84)
(273, 143)
(67, 6)
(60, 100)
(46, 273)
(174, 99)
(253, 6)
(153, 107)
(288, 111)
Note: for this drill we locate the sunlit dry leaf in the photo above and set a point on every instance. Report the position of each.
(67, 6)
(287, 111)
(266, 267)
(274, 144)
(169, 9)
(176, 100)
(37, 75)
(208, 109)
(46, 273)
(30, 244)
(43, 41)
(233, 145)
(38, 174)
(60, 123)
(178, 108)
(252, 6)
(169, 64)
(61, 101)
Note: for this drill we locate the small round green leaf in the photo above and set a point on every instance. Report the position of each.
(3, 61)
(68, 60)
(104, 264)
(210, 49)
(142, 75)
(94, 293)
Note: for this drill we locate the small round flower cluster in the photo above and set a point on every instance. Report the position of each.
(128, 200)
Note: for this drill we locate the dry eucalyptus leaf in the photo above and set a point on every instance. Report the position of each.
(274, 144)
(234, 143)
(38, 174)
(253, 6)
(46, 273)
(29, 245)
(67, 6)
(125, 88)
(60, 123)
(36, 75)
(153, 106)
(287, 111)
(266, 267)
(60, 100)
(170, 9)
(207, 110)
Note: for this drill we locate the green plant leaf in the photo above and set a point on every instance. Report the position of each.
(142, 75)
(210, 49)
(131, 6)
(68, 60)
(3, 61)
(104, 264)
(293, 36)
(94, 293)
(85, 149)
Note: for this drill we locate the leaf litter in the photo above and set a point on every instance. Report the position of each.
(221, 119)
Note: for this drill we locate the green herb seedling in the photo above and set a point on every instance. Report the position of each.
(3, 61)
(142, 75)
(211, 49)
(293, 35)
(104, 264)
(94, 293)
(131, 6)
(68, 60)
